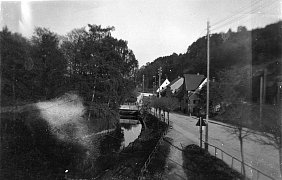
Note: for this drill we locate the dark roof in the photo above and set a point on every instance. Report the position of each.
(192, 81)
(174, 81)
(180, 92)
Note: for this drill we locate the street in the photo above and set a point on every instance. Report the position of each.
(262, 157)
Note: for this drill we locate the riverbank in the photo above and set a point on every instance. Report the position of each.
(128, 163)
(32, 149)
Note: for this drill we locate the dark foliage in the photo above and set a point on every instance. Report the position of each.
(255, 47)
(31, 151)
(199, 164)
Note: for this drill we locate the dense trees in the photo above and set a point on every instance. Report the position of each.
(31, 70)
(167, 104)
(241, 48)
(16, 67)
(49, 62)
(100, 64)
(90, 62)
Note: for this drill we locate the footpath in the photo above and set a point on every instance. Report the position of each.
(174, 169)
(178, 138)
(183, 132)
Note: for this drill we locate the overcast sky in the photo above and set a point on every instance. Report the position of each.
(153, 28)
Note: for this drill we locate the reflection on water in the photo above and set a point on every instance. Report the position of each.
(126, 133)
(131, 132)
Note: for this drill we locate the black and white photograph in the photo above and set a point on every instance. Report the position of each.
(141, 90)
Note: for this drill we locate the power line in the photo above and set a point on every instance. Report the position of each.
(235, 14)
(250, 16)
(202, 33)
(242, 16)
(233, 17)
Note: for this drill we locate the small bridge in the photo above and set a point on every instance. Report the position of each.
(129, 114)
(130, 106)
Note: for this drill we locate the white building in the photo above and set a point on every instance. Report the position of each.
(164, 85)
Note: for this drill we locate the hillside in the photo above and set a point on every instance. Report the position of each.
(260, 47)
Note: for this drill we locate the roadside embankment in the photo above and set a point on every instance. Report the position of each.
(200, 165)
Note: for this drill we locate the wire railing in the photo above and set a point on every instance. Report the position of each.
(143, 170)
(238, 164)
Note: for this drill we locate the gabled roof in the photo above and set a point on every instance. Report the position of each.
(176, 84)
(164, 84)
(193, 81)
(174, 81)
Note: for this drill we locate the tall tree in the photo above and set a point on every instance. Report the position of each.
(16, 67)
(49, 62)
(100, 62)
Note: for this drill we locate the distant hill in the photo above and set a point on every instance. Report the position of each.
(260, 47)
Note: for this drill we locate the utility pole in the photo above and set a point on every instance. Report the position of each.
(160, 74)
(154, 84)
(260, 100)
(264, 85)
(143, 82)
(208, 86)
(14, 93)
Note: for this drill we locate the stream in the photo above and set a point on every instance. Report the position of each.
(130, 132)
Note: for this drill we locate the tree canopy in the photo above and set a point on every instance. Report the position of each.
(88, 61)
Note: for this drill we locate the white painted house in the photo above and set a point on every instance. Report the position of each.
(164, 85)
(176, 84)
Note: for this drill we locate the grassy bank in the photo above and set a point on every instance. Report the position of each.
(157, 165)
(200, 165)
(129, 162)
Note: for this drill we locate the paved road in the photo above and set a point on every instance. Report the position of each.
(263, 157)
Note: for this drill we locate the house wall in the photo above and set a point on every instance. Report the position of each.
(193, 102)
(183, 106)
(187, 105)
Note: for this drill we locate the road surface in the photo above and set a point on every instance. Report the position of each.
(184, 131)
